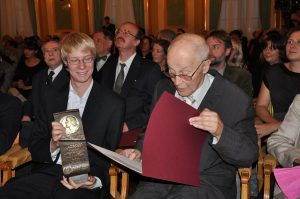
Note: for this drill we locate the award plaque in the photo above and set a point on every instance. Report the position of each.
(74, 155)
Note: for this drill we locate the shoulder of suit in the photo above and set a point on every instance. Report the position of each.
(228, 87)
(9, 100)
(238, 71)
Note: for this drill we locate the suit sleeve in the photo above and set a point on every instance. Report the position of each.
(238, 143)
(283, 143)
(10, 118)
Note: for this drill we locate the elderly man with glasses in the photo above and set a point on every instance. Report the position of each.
(225, 112)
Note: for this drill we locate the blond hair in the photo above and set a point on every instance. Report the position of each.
(76, 41)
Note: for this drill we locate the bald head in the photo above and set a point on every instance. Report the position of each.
(187, 62)
(191, 44)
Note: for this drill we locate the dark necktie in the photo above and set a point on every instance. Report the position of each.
(49, 78)
(120, 80)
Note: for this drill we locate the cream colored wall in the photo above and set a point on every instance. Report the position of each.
(157, 12)
(81, 16)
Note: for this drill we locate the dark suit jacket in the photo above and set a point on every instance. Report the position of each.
(102, 121)
(10, 119)
(98, 74)
(241, 77)
(237, 146)
(39, 88)
(137, 89)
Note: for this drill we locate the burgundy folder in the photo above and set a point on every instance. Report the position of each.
(172, 147)
(129, 138)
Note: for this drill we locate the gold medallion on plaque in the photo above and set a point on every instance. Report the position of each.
(70, 123)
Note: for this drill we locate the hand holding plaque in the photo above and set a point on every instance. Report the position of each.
(73, 148)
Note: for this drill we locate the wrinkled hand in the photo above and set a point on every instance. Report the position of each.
(57, 132)
(69, 184)
(132, 154)
(209, 121)
(266, 129)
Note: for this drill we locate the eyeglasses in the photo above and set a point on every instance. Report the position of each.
(50, 51)
(292, 42)
(85, 60)
(126, 33)
(183, 76)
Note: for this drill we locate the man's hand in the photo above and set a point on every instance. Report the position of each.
(57, 132)
(132, 154)
(89, 184)
(209, 121)
(125, 128)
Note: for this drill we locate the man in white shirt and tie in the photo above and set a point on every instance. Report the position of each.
(104, 45)
(134, 81)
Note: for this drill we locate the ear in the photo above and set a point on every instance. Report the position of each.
(206, 65)
(227, 51)
(137, 42)
(65, 63)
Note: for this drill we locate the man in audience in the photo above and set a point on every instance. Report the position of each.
(284, 144)
(104, 43)
(102, 113)
(166, 34)
(10, 118)
(226, 113)
(133, 77)
(108, 26)
(220, 45)
(52, 77)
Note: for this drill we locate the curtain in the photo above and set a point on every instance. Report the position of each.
(119, 11)
(214, 10)
(98, 14)
(265, 13)
(32, 16)
(138, 7)
(15, 18)
(240, 14)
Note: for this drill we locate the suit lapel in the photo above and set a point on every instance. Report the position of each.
(213, 95)
(132, 75)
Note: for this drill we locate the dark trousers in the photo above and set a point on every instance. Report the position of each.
(44, 184)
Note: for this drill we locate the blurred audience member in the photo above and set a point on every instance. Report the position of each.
(159, 53)
(280, 85)
(166, 34)
(10, 120)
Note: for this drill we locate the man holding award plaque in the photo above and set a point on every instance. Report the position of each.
(78, 111)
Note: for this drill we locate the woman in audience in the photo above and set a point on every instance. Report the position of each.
(280, 85)
(30, 63)
(272, 53)
(236, 57)
(146, 47)
(159, 53)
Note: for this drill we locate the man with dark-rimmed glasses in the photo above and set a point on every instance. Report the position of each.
(131, 76)
(225, 112)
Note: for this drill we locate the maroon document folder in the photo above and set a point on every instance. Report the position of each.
(129, 138)
(172, 147)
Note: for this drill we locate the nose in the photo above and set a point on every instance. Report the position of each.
(177, 80)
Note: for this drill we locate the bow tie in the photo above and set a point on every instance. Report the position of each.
(101, 58)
